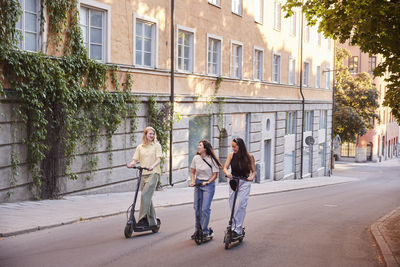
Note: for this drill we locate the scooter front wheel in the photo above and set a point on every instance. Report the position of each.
(226, 240)
(128, 230)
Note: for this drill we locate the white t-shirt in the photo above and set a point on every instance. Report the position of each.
(203, 171)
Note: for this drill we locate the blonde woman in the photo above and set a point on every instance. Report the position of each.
(149, 155)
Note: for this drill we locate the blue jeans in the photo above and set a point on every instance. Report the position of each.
(206, 194)
(240, 205)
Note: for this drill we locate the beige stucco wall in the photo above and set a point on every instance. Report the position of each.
(205, 18)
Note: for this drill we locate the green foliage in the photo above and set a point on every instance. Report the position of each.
(372, 25)
(160, 119)
(63, 100)
(356, 101)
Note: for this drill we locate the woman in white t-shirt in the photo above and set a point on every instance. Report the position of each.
(204, 169)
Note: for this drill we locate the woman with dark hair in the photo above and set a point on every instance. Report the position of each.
(242, 165)
(204, 169)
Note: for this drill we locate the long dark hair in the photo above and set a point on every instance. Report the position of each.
(210, 151)
(244, 157)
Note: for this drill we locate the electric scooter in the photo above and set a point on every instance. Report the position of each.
(131, 225)
(229, 238)
(199, 237)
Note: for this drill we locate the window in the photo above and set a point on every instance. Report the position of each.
(93, 26)
(306, 30)
(318, 77)
(371, 64)
(145, 43)
(323, 119)
(241, 127)
(28, 25)
(276, 68)
(237, 7)
(288, 162)
(308, 121)
(258, 64)
(199, 129)
(214, 56)
(292, 24)
(306, 73)
(185, 50)
(277, 16)
(236, 60)
(353, 64)
(319, 38)
(214, 2)
(290, 125)
(307, 162)
(292, 70)
(322, 155)
(258, 12)
(327, 78)
(328, 41)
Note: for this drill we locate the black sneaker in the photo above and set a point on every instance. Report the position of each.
(143, 222)
(235, 235)
(194, 235)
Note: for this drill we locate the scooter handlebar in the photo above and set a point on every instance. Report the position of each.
(141, 168)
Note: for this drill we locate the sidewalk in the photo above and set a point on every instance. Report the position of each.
(27, 216)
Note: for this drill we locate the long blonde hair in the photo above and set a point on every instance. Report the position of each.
(144, 138)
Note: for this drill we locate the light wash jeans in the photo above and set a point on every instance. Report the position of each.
(206, 194)
(240, 205)
(147, 187)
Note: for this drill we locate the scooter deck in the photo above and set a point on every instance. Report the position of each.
(145, 228)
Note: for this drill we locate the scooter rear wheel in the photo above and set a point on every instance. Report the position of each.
(128, 230)
(158, 226)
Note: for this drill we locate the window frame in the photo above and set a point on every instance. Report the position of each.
(192, 57)
(259, 11)
(323, 119)
(219, 55)
(353, 64)
(327, 77)
(240, 57)
(370, 69)
(318, 76)
(91, 4)
(240, 3)
(260, 69)
(154, 57)
(290, 122)
(279, 67)
(292, 73)
(23, 30)
(277, 16)
(217, 2)
(308, 73)
(293, 24)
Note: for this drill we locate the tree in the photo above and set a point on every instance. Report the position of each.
(373, 25)
(356, 100)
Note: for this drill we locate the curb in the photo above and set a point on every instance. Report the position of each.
(379, 237)
(82, 219)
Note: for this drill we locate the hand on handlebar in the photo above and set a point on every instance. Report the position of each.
(130, 165)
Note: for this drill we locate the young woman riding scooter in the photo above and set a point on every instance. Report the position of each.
(149, 155)
(204, 170)
(242, 165)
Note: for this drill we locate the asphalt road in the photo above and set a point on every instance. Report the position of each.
(326, 226)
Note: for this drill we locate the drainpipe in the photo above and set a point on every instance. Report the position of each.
(172, 95)
(302, 95)
(333, 107)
